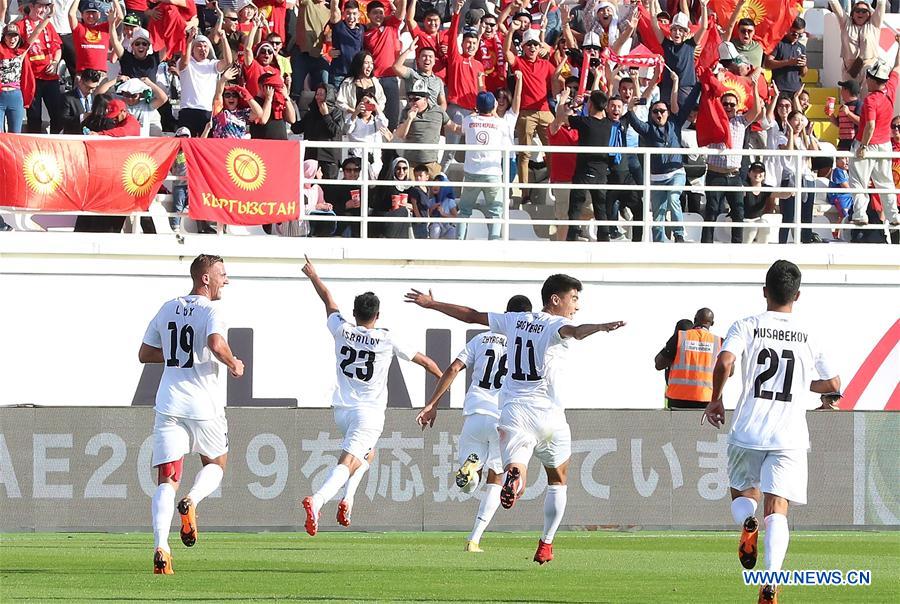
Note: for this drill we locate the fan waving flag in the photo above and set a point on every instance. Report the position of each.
(773, 18)
(126, 173)
(243, 182)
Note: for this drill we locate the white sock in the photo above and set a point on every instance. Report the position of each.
(336, 478)
(554, 508)
(489, 504)
(741, 507)
(777, 537)
(353, 482)
(162, 509)
(208, 479)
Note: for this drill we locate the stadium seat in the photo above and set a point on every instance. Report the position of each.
(476, 231)
(824, 232)
(723, 234)
(234, 229)
(55, 222)
(694, 230)
(771, 236)
(158, 214)
(522, 232)
(21, 222)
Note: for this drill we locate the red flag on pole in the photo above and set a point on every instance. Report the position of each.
(246, 182)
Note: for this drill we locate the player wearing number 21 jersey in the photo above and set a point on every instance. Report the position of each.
(532, 418)
(363, 355)
(188, 335)
(479, 440)
(781, 362)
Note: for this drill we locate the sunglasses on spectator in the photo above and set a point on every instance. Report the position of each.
(747, 30)
(266, 51)
(231, 18)
(129, 95)
(401, 169)
(490, 23)
(861, 10)
(531, 43)
(229, 95)
(895, 126)
(590, 47)
(660, 111)
(147, 44)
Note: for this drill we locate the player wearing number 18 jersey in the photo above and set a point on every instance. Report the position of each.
(188, 336)
(363, 353)
(478, 442)
(780, 363)
(532, 418)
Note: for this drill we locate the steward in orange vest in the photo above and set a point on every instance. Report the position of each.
(689, 357)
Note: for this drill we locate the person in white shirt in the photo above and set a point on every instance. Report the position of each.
(188, 336)
(199, 71)
(532, 416)
(768, 441)
(484, 167)
(479, 439)
(363, 357)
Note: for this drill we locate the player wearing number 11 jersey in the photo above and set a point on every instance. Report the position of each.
(188, 336)
(532, 418)
(363, 354)
(780, 363)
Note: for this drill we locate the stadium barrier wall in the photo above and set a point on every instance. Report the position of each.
(88, 469)
(75, 308)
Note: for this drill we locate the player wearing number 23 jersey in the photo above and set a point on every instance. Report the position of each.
(532, 416)
(363, 356)
(187, 336)
(781, 362)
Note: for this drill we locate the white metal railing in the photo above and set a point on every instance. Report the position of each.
(798, 189)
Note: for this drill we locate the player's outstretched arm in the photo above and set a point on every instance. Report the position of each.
(428, 413)
(460, 313)
(222, 351)
(310, 271)
(427, 363)
(580, 332)
(150, 354)
(715, 410)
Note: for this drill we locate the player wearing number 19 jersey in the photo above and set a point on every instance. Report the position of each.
(767, 445)
(363, 354)
(532, 418)
(188, 336)
(479, 440)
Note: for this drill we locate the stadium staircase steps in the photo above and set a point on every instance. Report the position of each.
(822, 126)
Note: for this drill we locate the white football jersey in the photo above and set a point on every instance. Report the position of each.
(363, 359)
(535, 354)
(190, 385)
(486, 130)
(779, 360)
(485, 354)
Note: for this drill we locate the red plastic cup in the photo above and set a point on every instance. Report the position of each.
(829, 105)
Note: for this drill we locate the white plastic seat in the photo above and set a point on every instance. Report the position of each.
(522, 232)
(476, 231)
(694, 230)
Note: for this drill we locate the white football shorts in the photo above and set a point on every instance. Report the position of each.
(525, 431)
(782, 473)
(479, 436)
(175, 437)
(360, 427)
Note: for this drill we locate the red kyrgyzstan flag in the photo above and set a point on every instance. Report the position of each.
(126, 173)
(773, 18)
(42, 172)
(244, 182)
(712, 122)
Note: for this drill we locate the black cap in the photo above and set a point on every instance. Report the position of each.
(757, 165)
(851, 86)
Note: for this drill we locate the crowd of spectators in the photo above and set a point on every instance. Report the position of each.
(626, 73)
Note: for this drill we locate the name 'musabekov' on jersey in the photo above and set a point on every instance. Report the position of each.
(485, 354)
(363, 358)
(190, 385)
(779, 361)
(535, 355)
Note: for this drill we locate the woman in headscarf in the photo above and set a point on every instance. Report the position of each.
(397, 200)
(282, 113)
(199, 72)
(313, 204)
(323, 121)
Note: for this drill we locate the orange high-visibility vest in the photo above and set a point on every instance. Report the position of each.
(691, 374)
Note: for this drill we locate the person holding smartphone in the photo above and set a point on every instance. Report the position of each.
(788, 60)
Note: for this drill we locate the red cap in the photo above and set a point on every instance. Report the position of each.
(114, 108)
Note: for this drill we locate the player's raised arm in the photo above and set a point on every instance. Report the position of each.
(427, 363)
(715, 410)
(150, 354)
(580, 332)
(218, 345)
(428, 413)
(460, 313)
(310, 271)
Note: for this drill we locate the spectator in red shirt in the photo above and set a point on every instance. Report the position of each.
(429, 35)
(91, 38)
(382, 39)
(491, 55)
(43, 56)
(274, 12)
(256, 62)
(465, 74)
(537, 77)
(562, 165)
(168, 24)
(874, 134)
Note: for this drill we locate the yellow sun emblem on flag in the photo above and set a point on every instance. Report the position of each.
(740, 92)
(755, 9)
(139, 174)
(246, 169)
(42, 172)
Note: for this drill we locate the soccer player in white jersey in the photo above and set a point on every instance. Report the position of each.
(479, 440)
(767, 444)
(532, 418)
(363, 355)
(188, 336)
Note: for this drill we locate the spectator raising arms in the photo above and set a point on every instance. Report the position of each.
(16, 77)
(678, 49)
(199, 71)
(382, 39)
(90, 36)
(44, 53)
(465, 73)
(239, 108)
(346, 40)
(860, 31)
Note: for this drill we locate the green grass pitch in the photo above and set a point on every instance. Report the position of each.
(431, 567)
